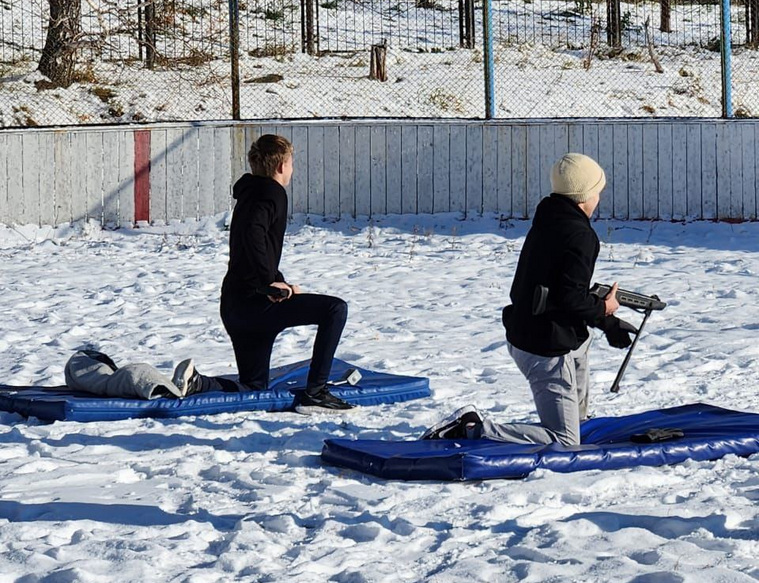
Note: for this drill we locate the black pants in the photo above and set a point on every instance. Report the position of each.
(254, 322)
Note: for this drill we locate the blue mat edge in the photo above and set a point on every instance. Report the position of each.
(62, 410)
(468, 465)
(85, 408)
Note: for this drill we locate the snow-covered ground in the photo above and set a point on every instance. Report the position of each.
(244, 497)
(530, 82)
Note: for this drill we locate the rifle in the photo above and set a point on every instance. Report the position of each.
(633, 300)
(628, 299)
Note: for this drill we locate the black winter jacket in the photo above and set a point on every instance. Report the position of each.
(560, 252)
(255, 236)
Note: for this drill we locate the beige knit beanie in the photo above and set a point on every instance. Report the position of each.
(578, 177)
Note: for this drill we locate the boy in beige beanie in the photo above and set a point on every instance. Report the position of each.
(551, 348)
(580, 179)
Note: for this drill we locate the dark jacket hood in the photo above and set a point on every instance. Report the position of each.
(242, 185)
(249, 182)
(557, 210)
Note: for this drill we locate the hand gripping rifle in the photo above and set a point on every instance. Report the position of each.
(635, 301)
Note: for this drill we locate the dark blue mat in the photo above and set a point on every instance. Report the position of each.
(709, 433)
(63, 404)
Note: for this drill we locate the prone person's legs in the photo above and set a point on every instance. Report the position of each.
(94, 372)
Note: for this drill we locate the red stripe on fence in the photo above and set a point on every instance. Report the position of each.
(142, 175)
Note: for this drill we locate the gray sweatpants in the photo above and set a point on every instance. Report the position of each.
(85, 373)
(560, 390)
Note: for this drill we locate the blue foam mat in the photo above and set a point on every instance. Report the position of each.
(63, 404)
(709, 433)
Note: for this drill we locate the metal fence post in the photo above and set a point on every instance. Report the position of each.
(725, 52)
(487, 43)
(234, 55)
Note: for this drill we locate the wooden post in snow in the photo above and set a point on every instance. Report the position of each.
(378, 61)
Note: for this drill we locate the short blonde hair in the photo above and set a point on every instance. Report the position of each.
(267, 153)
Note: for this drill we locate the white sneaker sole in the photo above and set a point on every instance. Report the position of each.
(314, 410)
(452, 418)
(182, 375)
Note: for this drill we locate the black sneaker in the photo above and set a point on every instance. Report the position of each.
(321, 402)
(187, 378)
(461, 424)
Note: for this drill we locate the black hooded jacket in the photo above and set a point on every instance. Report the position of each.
(256, 235)
(560, 253)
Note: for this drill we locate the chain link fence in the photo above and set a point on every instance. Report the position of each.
(170, 60)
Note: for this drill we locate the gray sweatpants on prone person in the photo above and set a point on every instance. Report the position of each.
(93, 372)
(560, 390)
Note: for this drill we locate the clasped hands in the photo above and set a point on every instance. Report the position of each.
(291, 289)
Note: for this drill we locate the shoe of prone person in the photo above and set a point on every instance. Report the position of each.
(187, 378)
(321, 401)
(461, 424)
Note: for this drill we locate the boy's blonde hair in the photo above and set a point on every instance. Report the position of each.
(267, 153)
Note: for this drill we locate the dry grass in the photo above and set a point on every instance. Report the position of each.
(24, 116)
(104, 94)
(86, 74)
(446, 101)
(194, 58)
(272, 50)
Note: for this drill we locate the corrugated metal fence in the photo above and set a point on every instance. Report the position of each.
(662, 169)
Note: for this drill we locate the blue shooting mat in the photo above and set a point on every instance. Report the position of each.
(63, 404)
(708, 433)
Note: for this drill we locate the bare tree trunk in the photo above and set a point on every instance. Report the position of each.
(752, 23)
(150, 26)
(665, 24)
(308, 26)
(466, 13)
(63, 33)
(613, 23)
(140, 31)
(595, 32)
(652, 54)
